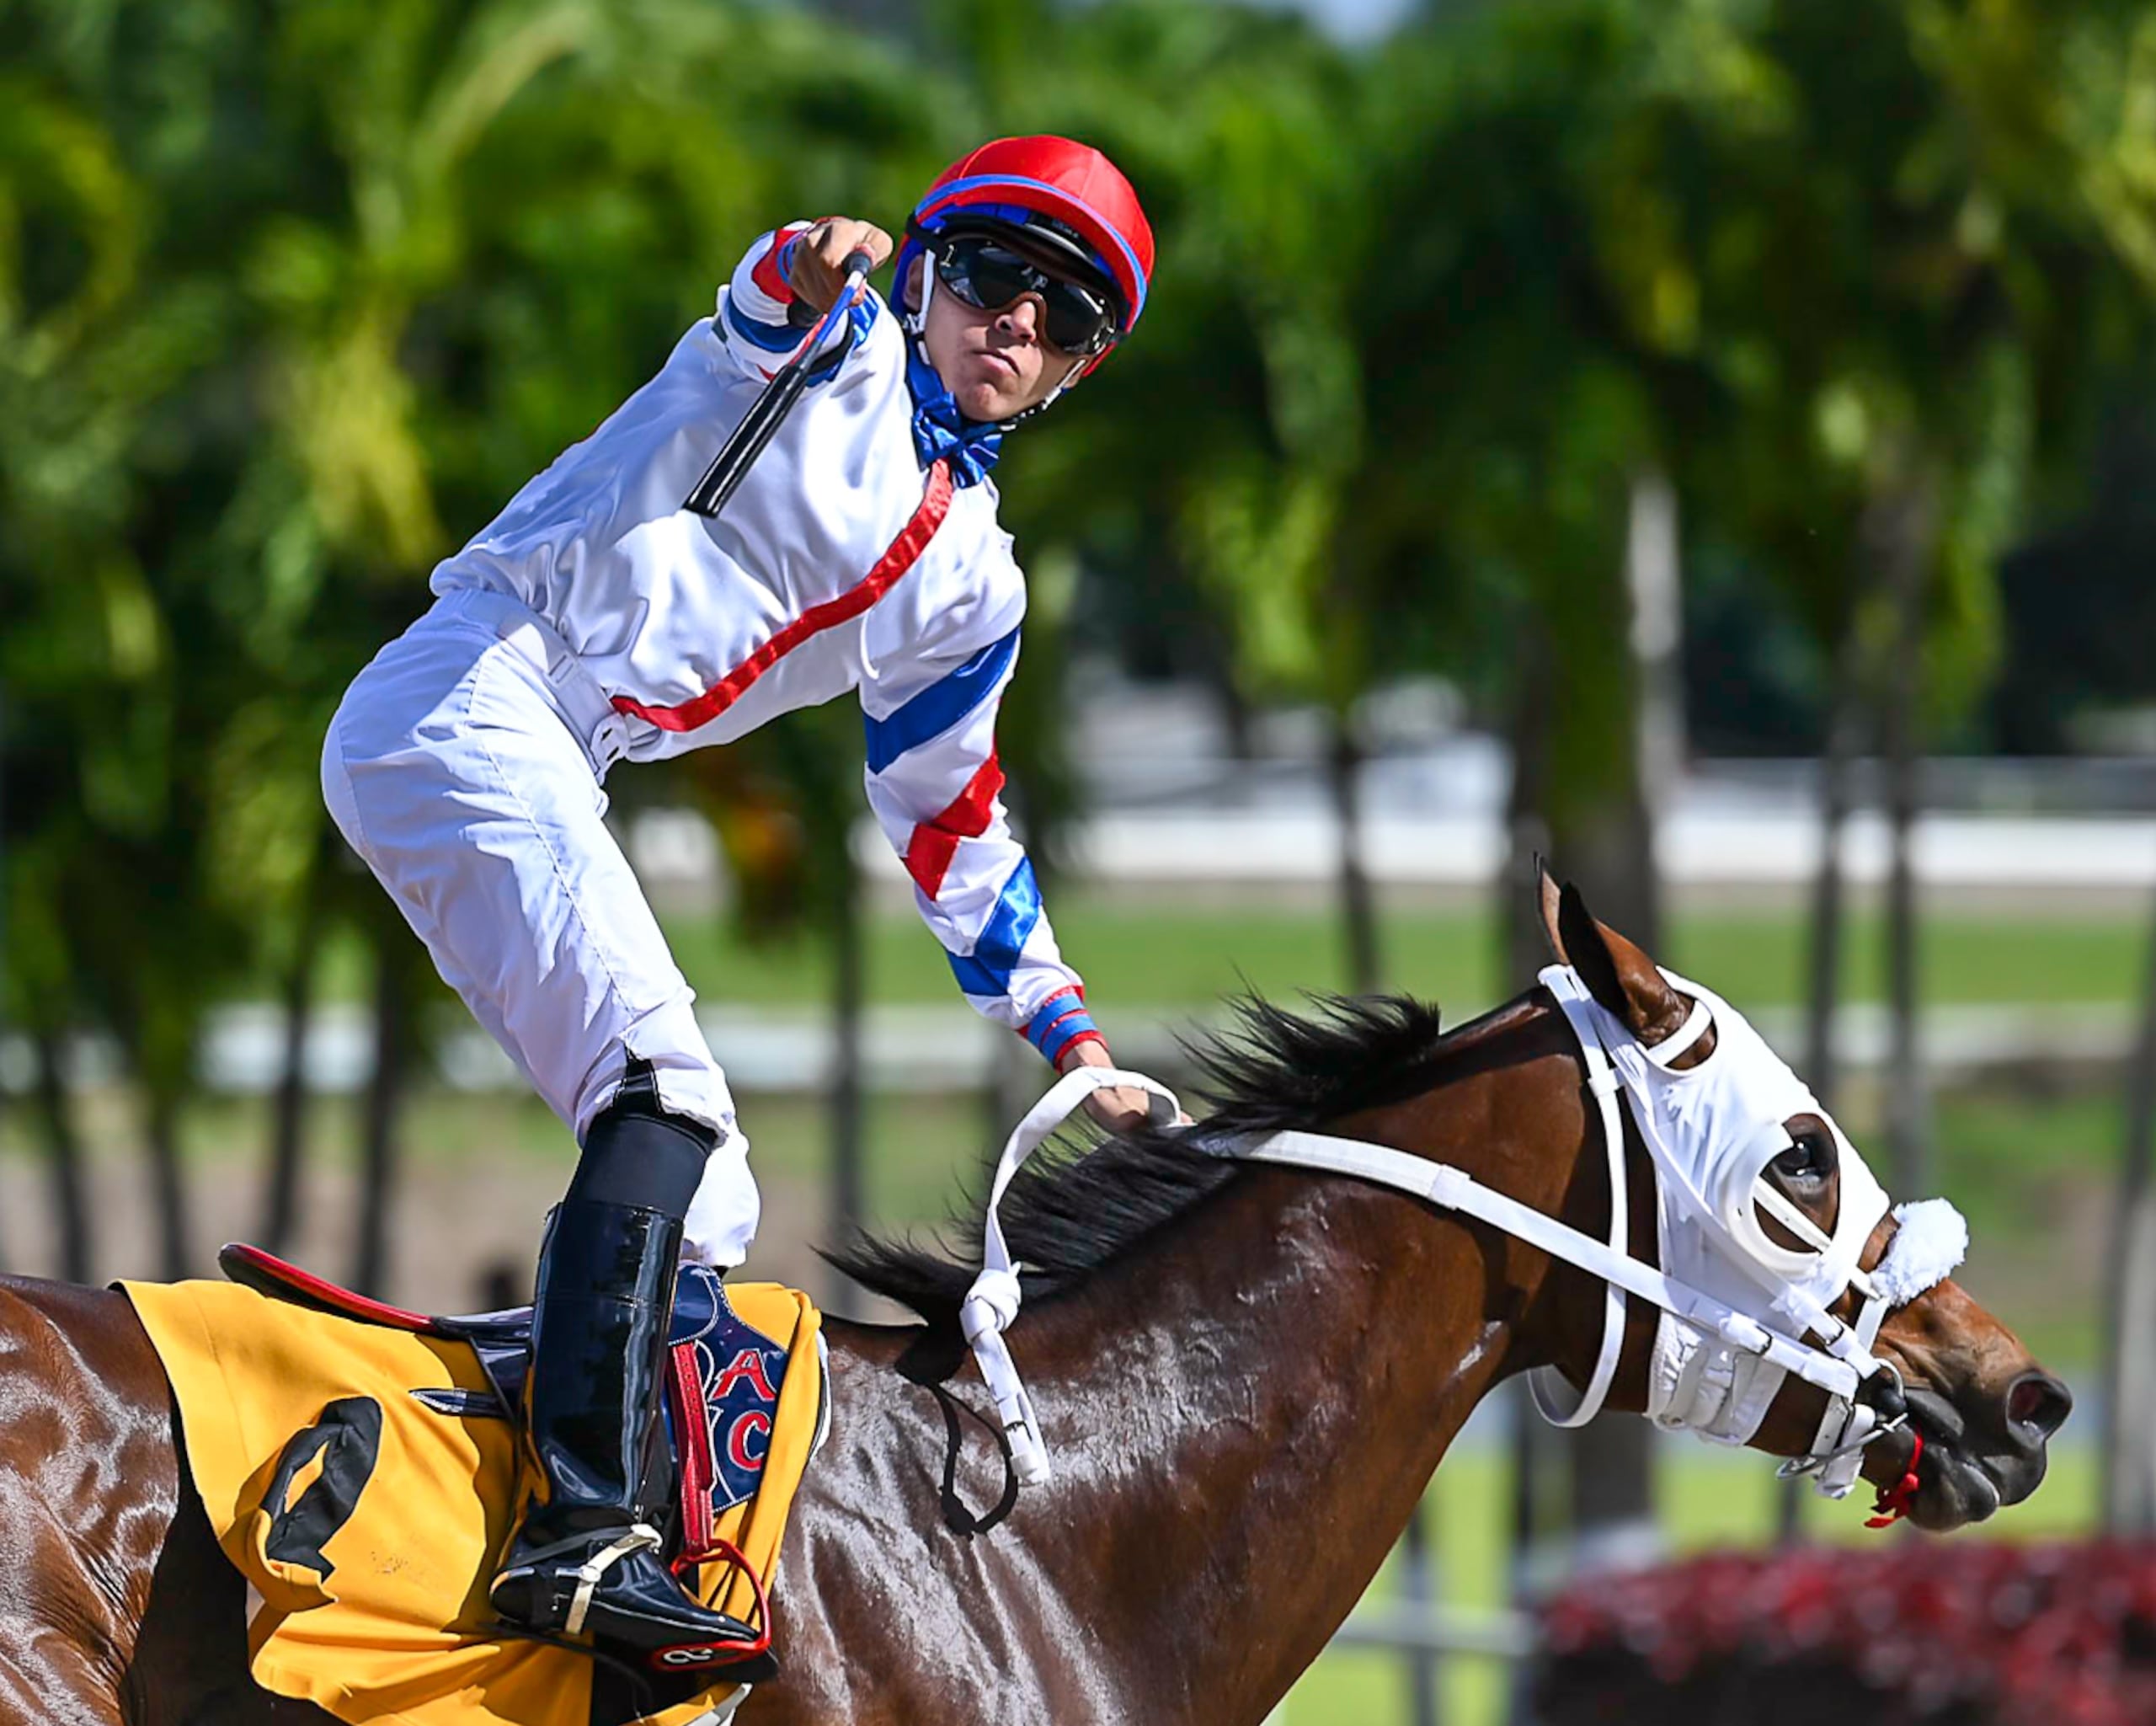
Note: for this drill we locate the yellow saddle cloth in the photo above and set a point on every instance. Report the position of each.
(373, 1571)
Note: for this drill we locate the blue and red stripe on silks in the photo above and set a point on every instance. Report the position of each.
(985, 972)
(1069, 999)
(770, 270)
(935, 841)
(1060, 1021)
(772, 338)
(937, 709)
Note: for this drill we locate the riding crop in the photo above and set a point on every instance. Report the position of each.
(731, 464)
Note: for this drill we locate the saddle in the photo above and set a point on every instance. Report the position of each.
(723, 1383)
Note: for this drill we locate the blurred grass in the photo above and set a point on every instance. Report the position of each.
(2025, 1157)
(1176, 955)
(2030, 1165)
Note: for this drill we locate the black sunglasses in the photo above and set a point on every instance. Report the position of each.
(989, 275)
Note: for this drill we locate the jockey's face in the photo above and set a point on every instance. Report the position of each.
(994, 363)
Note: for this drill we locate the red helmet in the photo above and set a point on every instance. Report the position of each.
(1066, 195)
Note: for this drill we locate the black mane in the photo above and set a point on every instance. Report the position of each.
(1067, 1214)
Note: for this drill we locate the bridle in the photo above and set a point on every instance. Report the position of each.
(1710, 1379)
(1718, 1366)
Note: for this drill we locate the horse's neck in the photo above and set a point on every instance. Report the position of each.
(1245, 1414)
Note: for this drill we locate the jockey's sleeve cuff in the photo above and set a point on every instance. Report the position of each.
(770, 272)
(1061, 1023)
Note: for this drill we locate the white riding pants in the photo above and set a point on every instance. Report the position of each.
(464, 767)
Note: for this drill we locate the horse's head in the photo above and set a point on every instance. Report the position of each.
(1983, 1408)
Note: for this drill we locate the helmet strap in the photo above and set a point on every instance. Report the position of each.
(1070, 378)
(917, 320)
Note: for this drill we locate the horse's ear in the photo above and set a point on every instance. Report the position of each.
(1582, 943)
(1548, 896)
(1621, 977)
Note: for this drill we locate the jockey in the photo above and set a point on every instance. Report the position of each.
(594, 620)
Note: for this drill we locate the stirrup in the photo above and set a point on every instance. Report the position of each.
(752, 1644)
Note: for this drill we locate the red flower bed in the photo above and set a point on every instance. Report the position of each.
(1950, 1632)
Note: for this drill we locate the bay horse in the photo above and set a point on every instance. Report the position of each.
(1248, 1375)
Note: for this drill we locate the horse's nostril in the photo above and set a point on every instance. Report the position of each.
(2038, 1404)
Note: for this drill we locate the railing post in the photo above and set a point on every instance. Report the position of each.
(1416, 1588)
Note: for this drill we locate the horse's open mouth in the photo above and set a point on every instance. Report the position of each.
(1954, 1487)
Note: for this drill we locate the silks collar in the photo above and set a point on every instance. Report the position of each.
(940, 432)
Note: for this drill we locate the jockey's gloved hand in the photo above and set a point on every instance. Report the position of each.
(1121, 1109)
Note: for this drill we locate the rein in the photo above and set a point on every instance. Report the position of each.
(1839, 1368)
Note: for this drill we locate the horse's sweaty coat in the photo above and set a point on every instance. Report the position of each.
(369, 1518)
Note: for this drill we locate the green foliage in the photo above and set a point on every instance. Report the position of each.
(293, 297)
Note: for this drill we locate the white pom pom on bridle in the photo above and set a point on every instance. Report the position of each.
(1932, 1239)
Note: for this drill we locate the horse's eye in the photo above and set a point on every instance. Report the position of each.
(1810, 1157)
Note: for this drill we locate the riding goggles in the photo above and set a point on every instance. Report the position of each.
(987, 275)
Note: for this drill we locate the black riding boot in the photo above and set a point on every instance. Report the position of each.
(599, 1327)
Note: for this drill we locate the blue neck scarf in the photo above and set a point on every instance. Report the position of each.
(940, 432)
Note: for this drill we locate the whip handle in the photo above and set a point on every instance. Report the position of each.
(731, 465)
